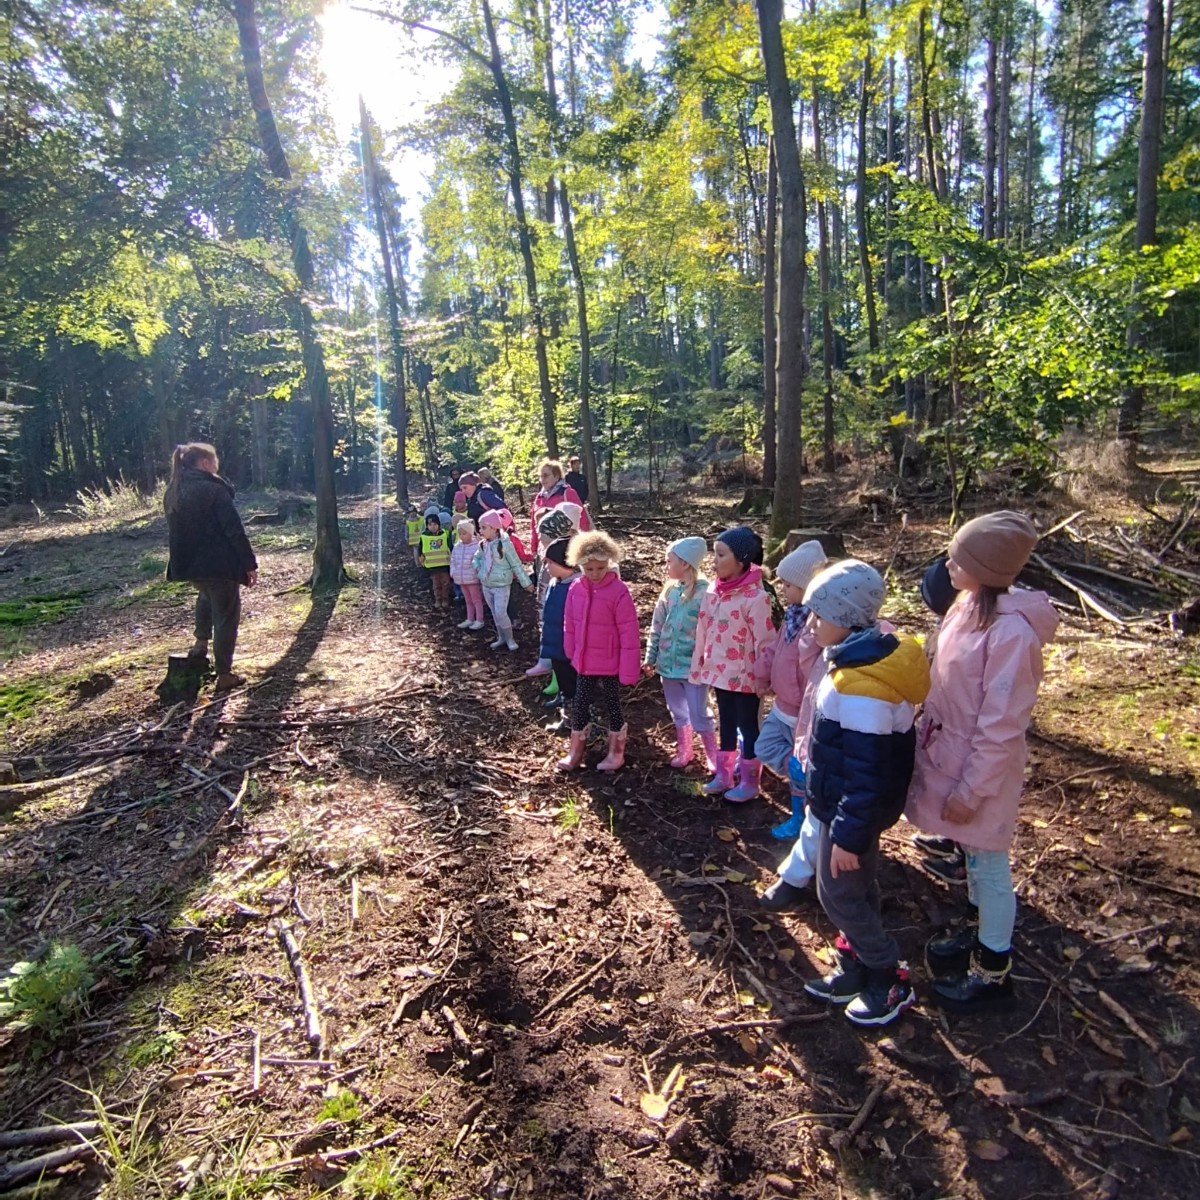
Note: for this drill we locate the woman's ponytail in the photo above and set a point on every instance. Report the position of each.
(185, 455)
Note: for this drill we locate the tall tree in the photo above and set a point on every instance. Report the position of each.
(383, 232)
(328, 568)
(1129, 419)
(789, 360)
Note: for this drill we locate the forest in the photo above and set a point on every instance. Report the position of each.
(952, 230)
(847, 272)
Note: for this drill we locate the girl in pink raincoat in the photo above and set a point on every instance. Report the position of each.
(733, 629)
(971, 749)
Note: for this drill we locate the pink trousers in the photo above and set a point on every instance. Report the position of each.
(473, 594)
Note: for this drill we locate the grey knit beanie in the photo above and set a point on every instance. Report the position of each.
(850, 594)
(798, 567)
(691, 549)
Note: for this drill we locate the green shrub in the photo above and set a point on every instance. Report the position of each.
(46, 995)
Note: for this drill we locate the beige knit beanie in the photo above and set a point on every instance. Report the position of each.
(995, 547)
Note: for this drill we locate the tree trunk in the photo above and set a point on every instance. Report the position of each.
(399, 396)
(827, 457)
(770, 287)
(1004, 130)
(1129, 419)
(789, 372)
(586, 433)
(516, 181)
(328, 568)
(990, 91)
(1031, 139)
(861, 212)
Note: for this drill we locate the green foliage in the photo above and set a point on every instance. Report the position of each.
(46, 995)
(40, 610)
(342, 1107)
(569, 814)
(117, 500)
(379, 1176)
(156, 1050)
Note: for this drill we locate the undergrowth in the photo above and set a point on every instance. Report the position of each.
(45, 995)
(117, 500)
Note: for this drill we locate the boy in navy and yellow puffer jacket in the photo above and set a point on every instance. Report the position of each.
(860, 764)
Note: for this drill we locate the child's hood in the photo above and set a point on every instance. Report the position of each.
(1034, 608)
(884, 666)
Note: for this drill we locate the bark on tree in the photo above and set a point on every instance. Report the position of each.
(1129, 419)
(990, 90)
(770, 288)
(382, 226)
(789, 372)
(328, 568)
(827, 458)
(861, 212)
(516, 179)
(586, 433)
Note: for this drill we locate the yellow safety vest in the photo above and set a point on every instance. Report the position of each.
(415, 526)
(435, 550)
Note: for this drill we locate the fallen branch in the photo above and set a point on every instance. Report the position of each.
(1140, 880)
(459, 1036)
(235, 802)
(845, 1136)
(1126, 1018)
(12, 794)
(48, 1135)
(36, 1168)
(575, 985)
(328, 1156)
(1086, 599)
(308, 997)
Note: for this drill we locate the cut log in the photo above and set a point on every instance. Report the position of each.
(184, 677)
(756, 502)
(831, 543)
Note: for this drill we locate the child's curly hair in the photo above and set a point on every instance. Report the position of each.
(592, 544)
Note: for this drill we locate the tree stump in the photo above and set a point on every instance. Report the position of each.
(185, 674)
(831, 543)
(756, 502)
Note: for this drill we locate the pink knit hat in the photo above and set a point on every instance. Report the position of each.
(994, 548)
(460, 498)
(491, 519)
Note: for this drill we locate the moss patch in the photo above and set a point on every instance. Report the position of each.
(40, 610)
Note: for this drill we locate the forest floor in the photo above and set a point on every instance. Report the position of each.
(535, 986)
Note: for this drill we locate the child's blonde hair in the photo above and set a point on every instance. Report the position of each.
(690, 589)
(592, 544)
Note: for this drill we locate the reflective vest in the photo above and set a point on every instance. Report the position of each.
(435, 550)
(415, 526)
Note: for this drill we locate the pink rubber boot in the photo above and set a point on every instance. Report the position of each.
(683, 747)
(749, 776)
(722, 781)
(709, 742)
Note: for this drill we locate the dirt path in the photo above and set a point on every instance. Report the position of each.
(512, 971)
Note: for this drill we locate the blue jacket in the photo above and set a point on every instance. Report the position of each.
(554, 608)
(861, 756)
(673, 630)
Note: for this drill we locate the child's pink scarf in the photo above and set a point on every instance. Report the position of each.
(752, 574)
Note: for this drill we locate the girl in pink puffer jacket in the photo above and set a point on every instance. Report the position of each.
(601, 638)
(971, 751)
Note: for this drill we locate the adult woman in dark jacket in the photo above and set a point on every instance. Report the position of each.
(208, 547)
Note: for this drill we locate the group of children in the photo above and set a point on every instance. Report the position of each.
(843, 730)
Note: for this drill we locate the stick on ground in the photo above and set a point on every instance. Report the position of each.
(308, 997)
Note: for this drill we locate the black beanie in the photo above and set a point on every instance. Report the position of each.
(556, 552)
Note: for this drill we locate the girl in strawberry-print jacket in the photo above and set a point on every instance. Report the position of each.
(971, 750)
(602, 641)
(734, 628)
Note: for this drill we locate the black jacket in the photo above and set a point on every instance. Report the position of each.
(206, 537)
(578, 481)
(448, 495)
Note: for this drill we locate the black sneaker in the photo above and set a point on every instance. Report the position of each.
(844, 982)
(555, 701)
(936, 847)
(978, 989)
(782, 895)
(886, 995)
(949, 954)
(949, 870)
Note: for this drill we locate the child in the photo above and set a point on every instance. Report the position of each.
(498, 565)
(970, 761)
(860, 763)
(463, 572)
(783, 669)
(733, 630)
(562, 576)
(435, 558)
(553, 524)
(459, 512)
(672, 644)
(941, 857)
(601, 639)
(414, 526)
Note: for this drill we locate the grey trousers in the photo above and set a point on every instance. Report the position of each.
(851, 902)
(218, 612)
